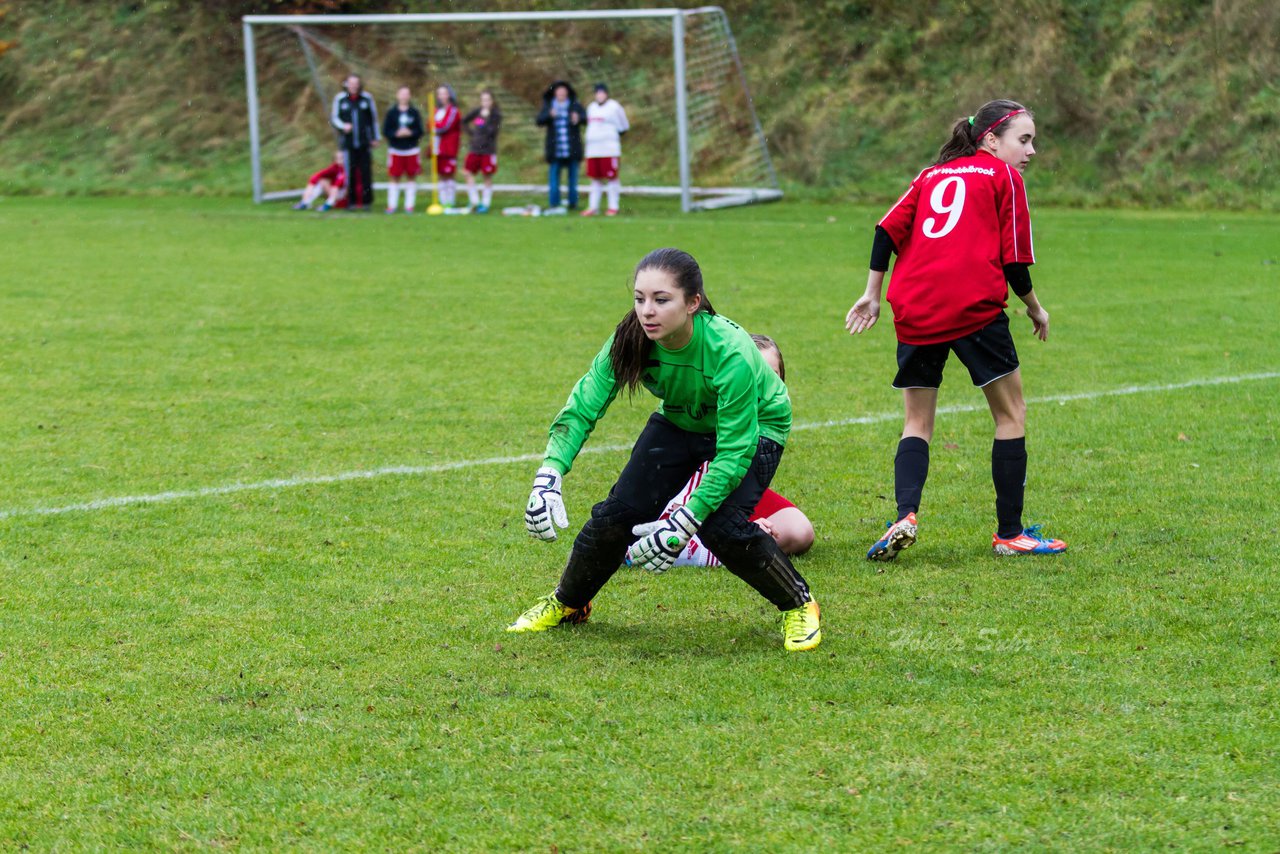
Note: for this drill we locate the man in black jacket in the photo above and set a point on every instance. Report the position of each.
(564, 118)
(356, 117)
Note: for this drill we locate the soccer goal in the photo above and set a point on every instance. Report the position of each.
(695, 134)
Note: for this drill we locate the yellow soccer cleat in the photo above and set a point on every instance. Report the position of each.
(800, 627)
(547, 613)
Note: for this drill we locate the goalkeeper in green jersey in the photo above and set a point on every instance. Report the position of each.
(720, 402)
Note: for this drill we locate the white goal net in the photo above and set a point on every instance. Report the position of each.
(695, 135)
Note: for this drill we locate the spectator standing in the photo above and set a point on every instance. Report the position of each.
(563, 117)
(483, 124)
(356, 116)
(606, 123)
(448, 134)
(403, 129)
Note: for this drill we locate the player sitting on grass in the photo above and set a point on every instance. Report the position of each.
(961, 231)
(403, 128)
(779, 518)
(721, 403)
(482, 124)
(330, 182)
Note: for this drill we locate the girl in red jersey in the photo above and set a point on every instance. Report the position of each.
(448, 132)
(961, 231)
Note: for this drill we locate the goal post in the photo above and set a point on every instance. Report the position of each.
(695, 133)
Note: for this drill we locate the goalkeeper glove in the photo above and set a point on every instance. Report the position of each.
(662, 542)
(545, 506)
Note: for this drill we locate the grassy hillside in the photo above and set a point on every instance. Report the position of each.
(1139, 102)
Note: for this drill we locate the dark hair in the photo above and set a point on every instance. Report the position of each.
(967, 132)
(630, 345)
(492, 97)
(764, 342)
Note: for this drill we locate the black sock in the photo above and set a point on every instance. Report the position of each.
(1009, 474)
(910, 469)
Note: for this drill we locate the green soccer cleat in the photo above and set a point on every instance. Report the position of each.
(547, 613)
(800, 627)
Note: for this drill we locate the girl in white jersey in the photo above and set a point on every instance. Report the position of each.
(606, 123)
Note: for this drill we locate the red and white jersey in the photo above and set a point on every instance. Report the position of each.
(448, 131)
(696, 553)
(682, 497)
(605, 125)
(769, 503)
(955, 229)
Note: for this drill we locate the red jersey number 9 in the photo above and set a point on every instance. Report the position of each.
(952, 210)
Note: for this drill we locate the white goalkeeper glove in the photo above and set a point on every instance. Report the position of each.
(662, 542)
(545, 506)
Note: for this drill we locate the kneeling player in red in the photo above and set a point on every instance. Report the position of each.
(403, 129)
(775, 513)
(719, 403)
(482, 124)
(330, 182)
(961, 232)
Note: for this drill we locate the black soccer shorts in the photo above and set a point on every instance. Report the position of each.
(989, 354)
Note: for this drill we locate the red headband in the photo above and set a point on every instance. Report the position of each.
(1000, 121)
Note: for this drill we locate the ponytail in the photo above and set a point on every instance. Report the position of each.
(967, 133)
(631, 347)
(627, 355)
(960, 144)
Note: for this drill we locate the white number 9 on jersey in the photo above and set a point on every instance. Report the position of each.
(939, 206)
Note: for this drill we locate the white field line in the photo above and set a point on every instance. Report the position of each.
(1051, 398)
(392, 471)
(280, 483)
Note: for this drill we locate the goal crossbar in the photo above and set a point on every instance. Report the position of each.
(474, 17)
(692, 196)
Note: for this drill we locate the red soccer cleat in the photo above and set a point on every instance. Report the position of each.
(1029, 542)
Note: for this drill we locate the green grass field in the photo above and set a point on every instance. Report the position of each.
(309, 663)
